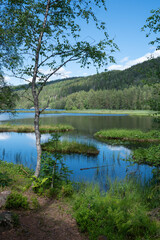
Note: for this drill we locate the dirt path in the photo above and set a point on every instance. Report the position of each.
(52, 222)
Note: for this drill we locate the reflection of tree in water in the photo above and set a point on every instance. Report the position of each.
(88, 125)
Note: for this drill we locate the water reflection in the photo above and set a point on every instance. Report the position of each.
(20, 148)
(4, 136)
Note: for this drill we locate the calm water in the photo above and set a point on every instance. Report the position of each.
(20, 147)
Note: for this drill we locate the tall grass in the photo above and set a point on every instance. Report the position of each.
(120, 213)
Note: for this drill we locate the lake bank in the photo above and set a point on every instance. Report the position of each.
(125, 211)
(95, 111)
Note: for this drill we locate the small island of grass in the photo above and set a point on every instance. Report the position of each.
(128, 135)
(67, 147)
(30, 128)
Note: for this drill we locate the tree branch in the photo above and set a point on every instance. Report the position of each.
(69, 60)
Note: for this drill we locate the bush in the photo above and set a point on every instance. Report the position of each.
(119, 214)
(66, 190)
(5, 180)
(16, 200)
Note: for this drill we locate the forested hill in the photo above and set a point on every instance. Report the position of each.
(129, 83)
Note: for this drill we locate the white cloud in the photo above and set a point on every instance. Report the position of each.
(4, 136)
(128, 63)
(125, 59)
(44, 137)
(7, 78)
(62, 72)
(85, 74)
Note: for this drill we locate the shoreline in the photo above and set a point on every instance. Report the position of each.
(95, 111)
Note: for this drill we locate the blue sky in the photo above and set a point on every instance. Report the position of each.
(124, 20)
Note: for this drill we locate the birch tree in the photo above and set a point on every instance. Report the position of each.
(48, 36)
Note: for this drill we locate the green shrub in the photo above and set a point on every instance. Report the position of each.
(119, 214)
(16, 200)
(35, 203)
(150, 156)
(5, 180)
(66, 190)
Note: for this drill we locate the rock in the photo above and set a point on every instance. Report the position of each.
(102, 237)
(3, 198)
(6, 220)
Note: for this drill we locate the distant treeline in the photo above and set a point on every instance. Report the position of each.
(128, 89)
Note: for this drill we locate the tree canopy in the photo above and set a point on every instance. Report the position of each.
(153, 26)
(46, 34)
(7, 96)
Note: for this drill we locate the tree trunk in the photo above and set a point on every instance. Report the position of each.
(38, 139)
(35, 94)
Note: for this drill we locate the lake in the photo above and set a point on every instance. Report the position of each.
(20, 147)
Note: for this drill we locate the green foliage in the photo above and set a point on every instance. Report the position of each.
(15, 219)
(16, 200)
(53, 170)
(39, 184)
(128, 135)
(30, 128)
(150, 156)
(120, 213)
(70, 147)
(15, 176)
(35, 203)
(152, 24)
(66, 190)
(8, 97)
(5, 180)
(112, 90)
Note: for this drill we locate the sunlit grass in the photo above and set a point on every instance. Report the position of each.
(70, 147)
(30, 128)
(128, 135)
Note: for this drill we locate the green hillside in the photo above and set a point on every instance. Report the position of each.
(127, 89)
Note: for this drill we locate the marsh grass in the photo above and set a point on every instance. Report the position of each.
(30, 128)
(70, 147)
(128, 135)
(150, 156)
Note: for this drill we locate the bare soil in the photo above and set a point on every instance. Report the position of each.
(53, 221)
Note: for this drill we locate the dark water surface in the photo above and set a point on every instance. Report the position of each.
(20, 147)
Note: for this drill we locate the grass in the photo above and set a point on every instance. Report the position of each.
(69, 147)
(127, 211)
(128, 135)
(14, 177)
(122, 213)
(150, 156)
(30, 128)
(99, 111)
